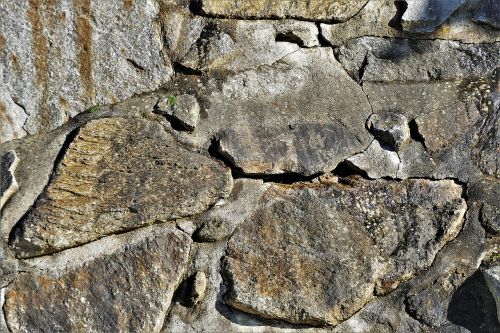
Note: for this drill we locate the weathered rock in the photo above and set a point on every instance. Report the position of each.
(378, 161)
(385, 60)
(382, 18)
(183, 109)
(304, 34)
(490, 218)
(12, 116)
(118, 174)
(390, 128)
(126, 286)
(199, 287)
(489, 13)
(8, 183)
(317, 10)
(59, 58)
(492, 278)
(220, 221)
(317, 253)
(415, 161)
(425, 15)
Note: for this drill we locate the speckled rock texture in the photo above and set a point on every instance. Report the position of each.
(298, 166)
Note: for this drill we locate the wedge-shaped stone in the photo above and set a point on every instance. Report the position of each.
(316, 253)
(126, 287)
(320, 10)
(118, 174)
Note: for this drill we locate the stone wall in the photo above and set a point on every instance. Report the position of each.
(250, 166)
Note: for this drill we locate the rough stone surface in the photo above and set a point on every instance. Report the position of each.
(316, 254)
(8, 183)
(489, 13)
(183, 109)
(378, 161)
(492, 277)
(318, 10)
(390, 128)
(426, 15)
(58, 58)
(127, 286)
(118, 174)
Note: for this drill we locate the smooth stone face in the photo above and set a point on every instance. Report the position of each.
(126, 286)
(415, 161)
(317, 10)
(394, 59)
(8, 183)
(426, 16)
(378, 160)
(184, 110)
(390, 128)
(317, 253)
(59, 58)
(118, 174)
(489, 13)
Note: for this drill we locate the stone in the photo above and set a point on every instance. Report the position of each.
(8, 183)
(382, 18)
(415, 161)
(220, 221)
(390, 128)
(490, 218)
(393, 59)
(148, 178)
(305, 34)
(316, 253)
(378, 161)
(489, 13)
(492, 278)
(183, 110)
(426, 16)
(314, 10)
(125, 285)
(61, 58)
(199, 287)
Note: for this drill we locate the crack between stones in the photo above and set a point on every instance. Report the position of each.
(419, 39)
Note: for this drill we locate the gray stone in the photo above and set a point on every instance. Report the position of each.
(8, 183)
(305, 34)
(378, 161)
(427, 15)
(489, 13)
(199, 288)
(385, 60)
(317, 10)
(390, 128)
(125, 285)
(148, 178)
(317, 253)
(184, 109)
(415, 161)
(490, 218)
(381, 18)
(492, 277)
(60, 58)
(220, 221)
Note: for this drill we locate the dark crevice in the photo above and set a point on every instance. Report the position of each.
(323, 42)
(401, 7)
(181, 69)
(285, 178)
(135, 64)
(183, 295)
(175, 123)
(415, 134)
(347, 169)
(289, 37)
(361, 70)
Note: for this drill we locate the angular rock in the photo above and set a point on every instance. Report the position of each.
(382, 18)
(314, 10)
(199, 287)
(378, 161)
(118, 174)
(12, 116)
(184, 110)
(393, 59)
(126, 286)
(415, 161)
(8, 183)
(492, 278)
(426, 16)
(390, 128)
(305, 34)
(489, 13)
(490, 218)
(60, 58)
(317, 253)
(220, 221)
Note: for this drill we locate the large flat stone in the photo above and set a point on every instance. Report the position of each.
(317, 253)
(317, 10)
(427, 15)
(118, 174)
(125, 286)
(59, 58)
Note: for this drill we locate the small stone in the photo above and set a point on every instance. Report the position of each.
(426, 16)
(199, 287)
(8, 183)
(492, 277)
(390, 128)
(304, 34)
(184, 110)
(489, 13)
(490, 218)
(378, 161)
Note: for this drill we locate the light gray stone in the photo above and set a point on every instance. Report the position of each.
(415, 161)
(183, 109)
(492, 277)
(390, 128)
(378, 161)
(8, 183)
(304, 34)
(59, 58)
(427, 15)
(317, 253)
